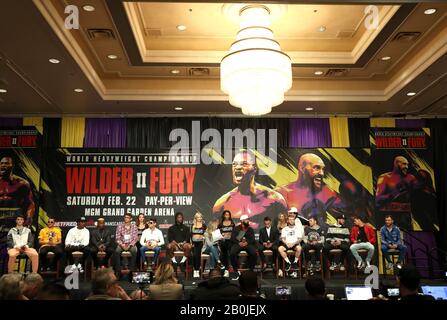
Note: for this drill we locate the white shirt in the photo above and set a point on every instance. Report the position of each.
(78, 237)
(268, 231)
(149, 235)
(292, 234)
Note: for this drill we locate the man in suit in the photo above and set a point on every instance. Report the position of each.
(268, 240)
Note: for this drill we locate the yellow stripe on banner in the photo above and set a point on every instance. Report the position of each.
(359, 171)
(30, 168)
(427, 131)
(382, 122)
(330, 219)
(213, 154)
(367, 150)
(415, 225)
(72, 134)
(372, 141)
(282, 175)
(43, 218)
(339, 132)
(34, 121)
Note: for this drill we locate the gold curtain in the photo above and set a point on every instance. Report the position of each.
(382, 122)
(72, 135)
(339, 131)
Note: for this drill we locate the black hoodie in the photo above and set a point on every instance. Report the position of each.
(179, 232)
(218, 288)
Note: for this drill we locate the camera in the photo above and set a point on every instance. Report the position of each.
(142, 278)
(283, 291)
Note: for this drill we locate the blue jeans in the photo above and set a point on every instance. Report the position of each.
(402, 251)
(156, 252)
(214, 255)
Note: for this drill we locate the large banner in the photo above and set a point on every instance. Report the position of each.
(404, 177)
(109, 183)
(19, 177)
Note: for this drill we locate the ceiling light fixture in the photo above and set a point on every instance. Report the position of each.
(3, 90)
(430, 11)
(181, 27)
(175, 71)
(178, 108)
(78, 90)
(88, 8)
(256, 73)
(322, 29)
(309, 109)
(410, 94)
(318, 73)
(386, 58)
(54, 61)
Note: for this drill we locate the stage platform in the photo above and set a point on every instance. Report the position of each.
(335, 286)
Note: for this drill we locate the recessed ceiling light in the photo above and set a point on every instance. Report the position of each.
(322, 29)
(318, 73)
(410, 94)
(3, 90)
(112, 56)
(178, 108)
(55, 61)
(309, 109)
(88, 8)
(175, 71)
(430, 11)
(78, 90)
(386, 58)
(181, 27)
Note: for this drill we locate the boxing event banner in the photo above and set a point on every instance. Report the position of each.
(404, 181)
(19, 177)
(96, 183)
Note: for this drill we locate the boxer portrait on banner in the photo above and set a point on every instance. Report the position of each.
(308, 193)
(394, 189)
(249, 197)
(16, 197)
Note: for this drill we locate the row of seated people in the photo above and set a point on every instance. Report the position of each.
(220, 239)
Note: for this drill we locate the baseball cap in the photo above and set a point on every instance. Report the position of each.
(243, 217)
(293, 210)
(81, 219)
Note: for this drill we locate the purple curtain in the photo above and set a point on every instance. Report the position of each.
(410, 123)
(310, 133)
(11, 122)
(105, 133)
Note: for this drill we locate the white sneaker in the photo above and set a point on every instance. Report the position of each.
(196, 274)
(294, 275)
(368, 264)
(226, 274)
(280, 274)
(173, 260)
(359, 264)
(79, 267)
(332, 266)
(342, 267)
(237, 276)
(183, 260)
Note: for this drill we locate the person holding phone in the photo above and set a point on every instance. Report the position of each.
(20, 240)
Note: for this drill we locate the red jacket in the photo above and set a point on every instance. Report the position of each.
(369, 231)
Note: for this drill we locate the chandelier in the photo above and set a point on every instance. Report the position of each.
(255, 73)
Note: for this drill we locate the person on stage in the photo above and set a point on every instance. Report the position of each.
(126, 237)
(337, 237)
(313, 240)
(141, 226)
(390, 239)
(291, 237)
(152, 239)
(179, 239)
(249, 197)
(20, 240)
(77, 239)
(211, 246)
(243, 238)
(363, 236)
(226, 227)
(198, 229)
(268, 240)
(50, 240)
(101, 241)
